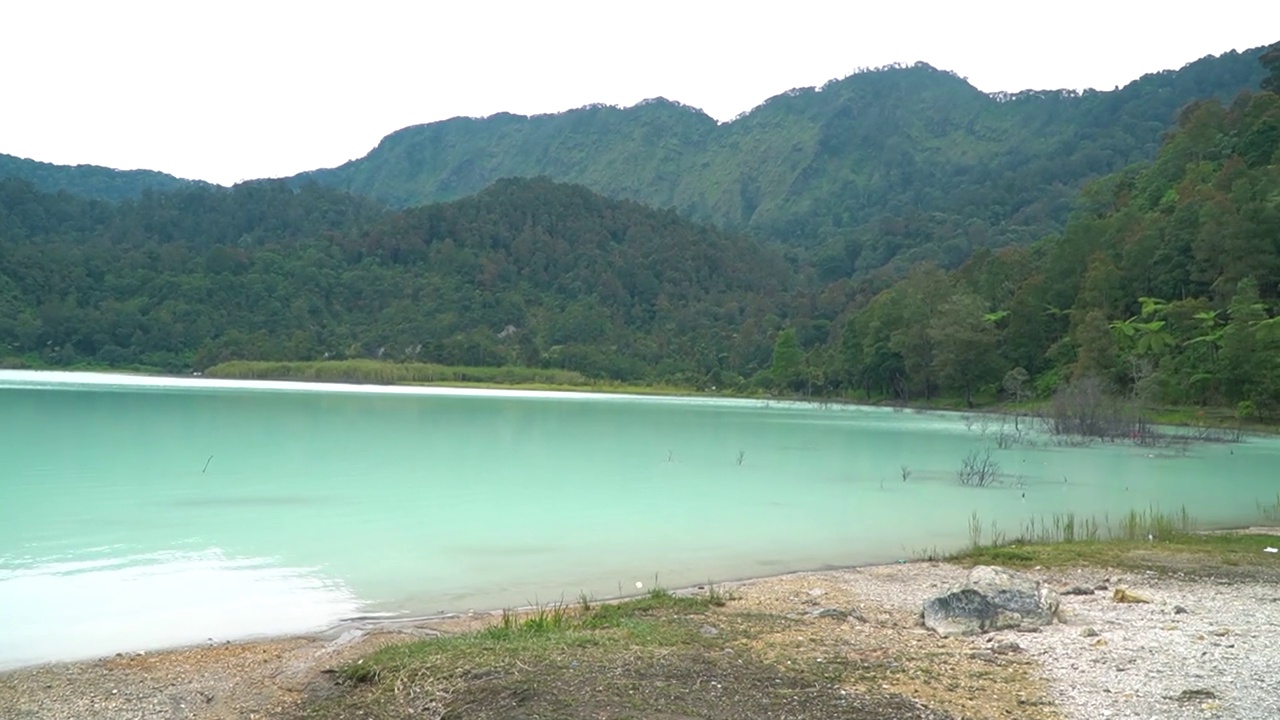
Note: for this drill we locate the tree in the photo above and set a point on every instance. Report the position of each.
(1096, 351)
(1015, 383)
(1243, 366)
(1270, 60)
(787, 368)
(916, 298)
(1143, 340)
(965, 343)
(851, 365)
(1101, 289)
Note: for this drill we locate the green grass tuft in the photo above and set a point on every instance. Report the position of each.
(1270, 511)
(542, 620)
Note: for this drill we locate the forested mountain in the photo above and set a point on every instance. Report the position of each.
(901, 164)
(90, 181)
(888, 167)
(527, 272)
(1164, 286)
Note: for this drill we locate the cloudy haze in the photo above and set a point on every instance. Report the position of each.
(229, 90)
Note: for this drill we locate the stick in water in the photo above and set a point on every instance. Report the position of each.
(206, 464)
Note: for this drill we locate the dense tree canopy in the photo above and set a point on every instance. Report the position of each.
(528, 272)
(1164, 284)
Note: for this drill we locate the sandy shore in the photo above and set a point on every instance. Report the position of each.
(1201, 648)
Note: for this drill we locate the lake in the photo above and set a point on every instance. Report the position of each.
(140, 512)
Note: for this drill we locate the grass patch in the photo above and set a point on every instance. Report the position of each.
(1191, 553)
(1069, 527)
(389, 373)
(635, 622)
(658, 655)
(1146, 540)
(380, 372)
(542, 620)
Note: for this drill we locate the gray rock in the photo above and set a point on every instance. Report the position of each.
(709, 631)
(1078, 590)
(991, 599)
(1195, 695)
(1006, 647)
(1088, 632)
(960, 612)
(1179, 610)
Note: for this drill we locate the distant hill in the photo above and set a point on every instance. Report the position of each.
(528, 272)
(90, 181)
(896, 164)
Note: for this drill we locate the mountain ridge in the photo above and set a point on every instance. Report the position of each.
(867, 165)
(887, 167)
(93, 182)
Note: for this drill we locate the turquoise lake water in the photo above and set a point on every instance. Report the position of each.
(138, 513)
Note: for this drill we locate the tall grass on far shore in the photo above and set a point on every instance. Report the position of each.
(1069, 527)
(1270, 511)
(389, 373)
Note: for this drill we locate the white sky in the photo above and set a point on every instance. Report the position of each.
(231, 90)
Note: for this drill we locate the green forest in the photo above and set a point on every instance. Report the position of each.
(968, 271)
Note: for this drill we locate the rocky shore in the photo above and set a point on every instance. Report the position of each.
(1185, 648)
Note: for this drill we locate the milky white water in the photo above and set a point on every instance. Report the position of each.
(139, 512)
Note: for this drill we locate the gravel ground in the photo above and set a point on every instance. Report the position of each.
(1198, 650)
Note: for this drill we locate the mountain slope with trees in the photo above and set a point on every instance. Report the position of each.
(528, 272)
(892, 166)
(1163, 287)
(90, 181)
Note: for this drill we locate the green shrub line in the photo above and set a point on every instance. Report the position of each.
(376, 371)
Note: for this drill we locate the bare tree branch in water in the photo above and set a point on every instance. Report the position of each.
(978, 469)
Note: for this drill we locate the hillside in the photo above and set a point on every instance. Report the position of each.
(527, 272)
(899, 164)
(1164, 287)
(90, 181)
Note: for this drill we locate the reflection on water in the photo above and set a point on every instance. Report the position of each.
(142, 512)
(85, 608)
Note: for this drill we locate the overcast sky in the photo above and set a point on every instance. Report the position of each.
(231, 90)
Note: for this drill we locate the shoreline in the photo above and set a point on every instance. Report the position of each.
(351, 629)
(442, 623)
(1164, 416)
(1102, 658)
